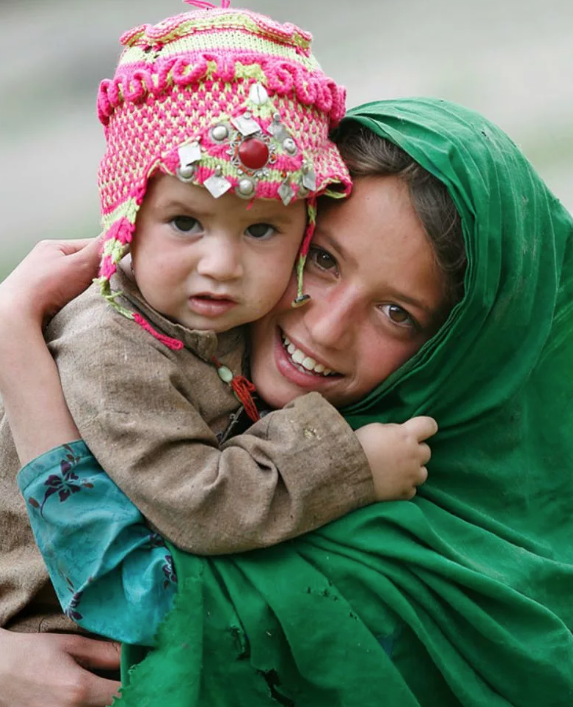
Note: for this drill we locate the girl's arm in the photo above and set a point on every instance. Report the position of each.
(31, 390)
(128, 562)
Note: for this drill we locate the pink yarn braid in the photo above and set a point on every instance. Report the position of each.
(173, 344)
(203, 5)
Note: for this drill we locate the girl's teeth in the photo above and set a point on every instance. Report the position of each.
(303, 361)
(309, 363)
(298, 356)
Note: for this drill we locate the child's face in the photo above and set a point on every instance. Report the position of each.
(213, 263)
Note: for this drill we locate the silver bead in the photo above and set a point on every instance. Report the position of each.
(246, 187)
(186, 173)
(289, 145)
(220, 133)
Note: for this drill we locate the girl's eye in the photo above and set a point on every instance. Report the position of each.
(260, 231)
(398, 315)
(322, 258)
(186, 224)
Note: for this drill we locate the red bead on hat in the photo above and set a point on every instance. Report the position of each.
(254, 153)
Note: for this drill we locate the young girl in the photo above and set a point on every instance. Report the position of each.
(461, 598)
(217, 127)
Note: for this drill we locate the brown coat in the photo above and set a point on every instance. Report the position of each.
(150, 417)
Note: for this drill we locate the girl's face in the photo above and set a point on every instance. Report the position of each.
(376, 296)
(213, 263)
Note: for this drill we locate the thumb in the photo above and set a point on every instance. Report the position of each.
(421, 427)
(79, 245)
(86, 257)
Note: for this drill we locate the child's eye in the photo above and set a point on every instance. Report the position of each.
(398, 315)
(186, 224)
(260, 231)
(322, 258)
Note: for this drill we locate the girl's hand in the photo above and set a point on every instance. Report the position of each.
(48, 278)
(53, 670)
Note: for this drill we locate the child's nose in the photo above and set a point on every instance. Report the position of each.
(220, 261)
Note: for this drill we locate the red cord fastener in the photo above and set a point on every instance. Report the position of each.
(242, 388)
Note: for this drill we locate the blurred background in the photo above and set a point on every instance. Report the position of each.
(510, 59)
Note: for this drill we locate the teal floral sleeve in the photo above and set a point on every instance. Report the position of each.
(112, 574)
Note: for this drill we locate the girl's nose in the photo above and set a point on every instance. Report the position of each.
(220, 260)
(331, 320)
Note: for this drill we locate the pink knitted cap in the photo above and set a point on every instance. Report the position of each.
(224, 98)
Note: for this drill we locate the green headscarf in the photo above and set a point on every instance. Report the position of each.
(463, 596)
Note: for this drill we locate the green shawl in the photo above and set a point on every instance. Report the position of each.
(463, 596)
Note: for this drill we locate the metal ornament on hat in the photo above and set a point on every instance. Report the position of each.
(189, 155)
(251, 151)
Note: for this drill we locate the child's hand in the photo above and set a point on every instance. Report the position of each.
(397, 455)
(48, 278)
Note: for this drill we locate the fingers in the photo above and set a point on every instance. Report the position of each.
(94, 654)
(425, 453)
(100, 692)
(421, 427)
(101, 655)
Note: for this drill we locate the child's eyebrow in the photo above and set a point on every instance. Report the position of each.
(280, 219)
(178, 203)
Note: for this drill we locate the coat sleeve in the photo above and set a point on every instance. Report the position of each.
(293, 471)
(112, 574)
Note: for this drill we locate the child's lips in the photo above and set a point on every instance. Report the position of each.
(211, 305)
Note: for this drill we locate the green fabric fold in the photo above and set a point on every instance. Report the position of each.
(463, 596)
